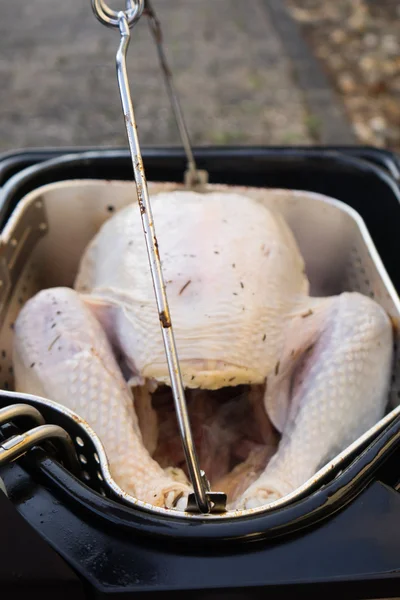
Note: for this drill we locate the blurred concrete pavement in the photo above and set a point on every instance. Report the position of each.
(235, 79)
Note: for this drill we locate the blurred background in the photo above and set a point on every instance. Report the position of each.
(257, 72)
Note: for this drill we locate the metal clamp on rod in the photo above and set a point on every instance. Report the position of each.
(125, 20)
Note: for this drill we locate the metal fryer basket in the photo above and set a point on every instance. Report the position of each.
(44, 239)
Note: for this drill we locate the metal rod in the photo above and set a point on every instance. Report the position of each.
(196, 475)
(194, 177)
(15, 411)
(16, 446)
(155, 28)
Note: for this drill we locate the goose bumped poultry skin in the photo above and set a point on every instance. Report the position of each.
(242, 315)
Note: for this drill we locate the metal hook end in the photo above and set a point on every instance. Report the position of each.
(111, 18)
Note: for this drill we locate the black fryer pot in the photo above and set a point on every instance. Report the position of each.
(344, 537)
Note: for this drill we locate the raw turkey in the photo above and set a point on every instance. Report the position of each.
(319, 368)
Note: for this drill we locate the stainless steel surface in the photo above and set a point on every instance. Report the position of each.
(199, 482)
(333, 239)
(193, 176)
(18, 445)
(32, 225)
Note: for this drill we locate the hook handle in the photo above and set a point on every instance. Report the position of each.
(110, 17)
(203, 497)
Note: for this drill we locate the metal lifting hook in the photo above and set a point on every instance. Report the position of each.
(202, 499)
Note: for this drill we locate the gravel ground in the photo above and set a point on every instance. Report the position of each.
(358, 44)
(59, 87)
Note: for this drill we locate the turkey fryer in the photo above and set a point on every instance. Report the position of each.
(202, 499)
(48, 231)
(58, 205)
